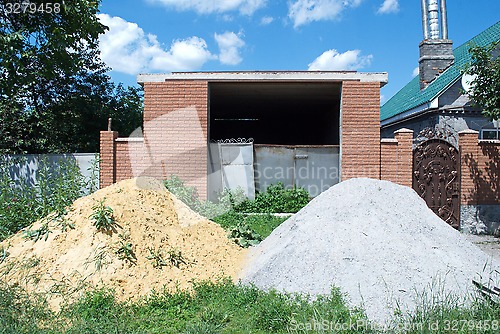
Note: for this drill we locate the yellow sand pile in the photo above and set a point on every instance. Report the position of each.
(149, 218)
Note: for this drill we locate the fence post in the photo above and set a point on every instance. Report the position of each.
(404, 156)
(468, 146)
(107, 165)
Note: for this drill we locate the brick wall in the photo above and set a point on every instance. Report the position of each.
(130, 159)
(396, 158)
(480, 174)
(360, 136)
(175, 131)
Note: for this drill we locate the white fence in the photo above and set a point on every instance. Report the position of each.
(26, 167)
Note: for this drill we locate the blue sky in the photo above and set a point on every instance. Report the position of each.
(160, 36)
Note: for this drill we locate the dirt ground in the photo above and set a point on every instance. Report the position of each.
(489, 244)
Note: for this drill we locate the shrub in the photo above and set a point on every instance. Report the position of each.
(276, 199)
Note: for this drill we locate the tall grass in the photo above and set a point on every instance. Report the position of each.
(54, 188)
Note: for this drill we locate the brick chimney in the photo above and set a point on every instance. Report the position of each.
(436, 50)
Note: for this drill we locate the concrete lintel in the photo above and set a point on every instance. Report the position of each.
(468, 132)
(336, 76)
(489, 141)
(130, 139)
(403, 130)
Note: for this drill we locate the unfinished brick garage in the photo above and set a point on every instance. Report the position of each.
(250, 129)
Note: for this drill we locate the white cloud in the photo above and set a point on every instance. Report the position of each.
(389, 6)
(416, 71)
(128, 49)
(184, 55)
(332, 60)
(383, 99)
(229, 45)
(246, 7)
(305, 11)
(266, 20)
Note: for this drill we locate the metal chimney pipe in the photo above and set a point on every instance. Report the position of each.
(444, 20)
(425, 19)
(434, 19)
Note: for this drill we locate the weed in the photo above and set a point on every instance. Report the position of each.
(230, 211)
(100, 258)
(38, 234)
(3, 254)
(159, 259)
(175, 257)
(244, 236)
(64, 225)
(21, 312)
(31, 262)
(276, 199)
(102, 217)
(125, 252)
(92, 183)
(156, 257)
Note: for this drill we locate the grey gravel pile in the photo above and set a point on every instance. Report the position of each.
(375, 240)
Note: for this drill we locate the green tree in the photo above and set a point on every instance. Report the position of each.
(485, 66)
(55, 95)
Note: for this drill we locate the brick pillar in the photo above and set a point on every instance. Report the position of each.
(404, 157)
(107, 164)
(469, 153)
(360, 137)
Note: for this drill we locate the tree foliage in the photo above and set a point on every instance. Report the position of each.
(485, 66)
(55, 95)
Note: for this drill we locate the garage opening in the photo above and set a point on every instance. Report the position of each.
(305, 113)
(262, 133)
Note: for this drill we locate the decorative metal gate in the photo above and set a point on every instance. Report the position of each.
(436, 178)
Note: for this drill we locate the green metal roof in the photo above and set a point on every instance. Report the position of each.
(410, 96)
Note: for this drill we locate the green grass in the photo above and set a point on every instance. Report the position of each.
(264, 224)
(222, 307)
(225, 307)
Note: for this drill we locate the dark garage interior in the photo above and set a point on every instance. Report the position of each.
(293, 113)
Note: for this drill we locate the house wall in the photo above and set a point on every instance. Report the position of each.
(416, 125)
(448, 122)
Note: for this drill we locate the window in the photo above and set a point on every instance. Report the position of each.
(490, 134)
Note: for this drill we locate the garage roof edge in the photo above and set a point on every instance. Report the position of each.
(381, 77)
